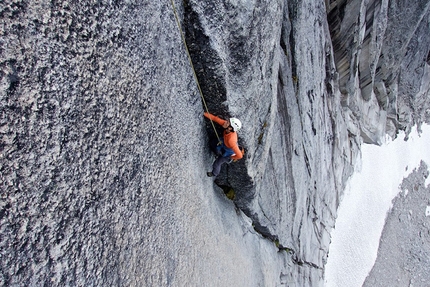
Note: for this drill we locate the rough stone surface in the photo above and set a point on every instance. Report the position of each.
(382, 51)
(103, 151)
(404, 249)
(103, 156)
(294, 128)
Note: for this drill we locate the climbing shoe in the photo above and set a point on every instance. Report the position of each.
(210, 174)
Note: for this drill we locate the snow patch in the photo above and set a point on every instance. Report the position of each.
(367, 199)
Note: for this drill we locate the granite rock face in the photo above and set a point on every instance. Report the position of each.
(103, 152)
(91, 156)
(382, 57)
(299, 153)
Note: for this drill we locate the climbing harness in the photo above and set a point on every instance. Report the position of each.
(192, 66)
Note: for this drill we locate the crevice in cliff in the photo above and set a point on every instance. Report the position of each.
(295, 259)
(210, 73)
(234, 179)
(265, 231)
(306, 263)
(207, 63)
(292, 46)
(258, 226)
(340, 45)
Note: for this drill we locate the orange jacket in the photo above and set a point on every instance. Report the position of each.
(230, 139)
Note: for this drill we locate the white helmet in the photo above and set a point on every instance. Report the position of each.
(236, 124)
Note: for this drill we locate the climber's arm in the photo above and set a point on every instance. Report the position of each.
(216, 119)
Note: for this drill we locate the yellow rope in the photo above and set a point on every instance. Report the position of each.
(192, 66)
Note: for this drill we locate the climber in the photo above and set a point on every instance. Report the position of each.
(227, 148)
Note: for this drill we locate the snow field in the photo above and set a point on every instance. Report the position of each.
(367, 199)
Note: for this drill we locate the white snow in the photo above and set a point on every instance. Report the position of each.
(363, 209)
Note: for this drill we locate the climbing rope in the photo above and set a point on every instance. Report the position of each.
(192, 66)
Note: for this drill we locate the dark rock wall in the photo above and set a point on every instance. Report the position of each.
(381, 49)
(414, 77)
